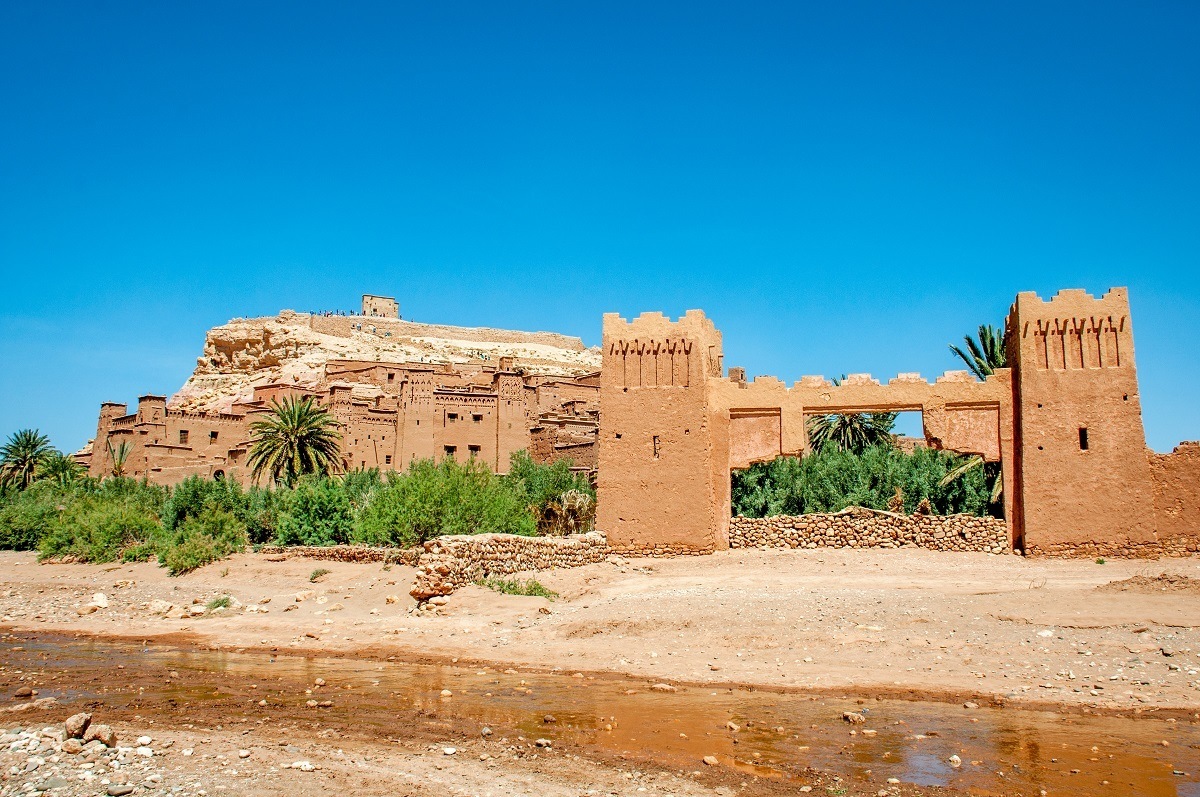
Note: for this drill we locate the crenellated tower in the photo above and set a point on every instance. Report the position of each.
(656, 454)
(1081, 467)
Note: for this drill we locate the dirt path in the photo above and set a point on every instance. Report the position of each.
(1002, 628)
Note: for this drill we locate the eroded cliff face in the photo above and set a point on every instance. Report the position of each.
(249, 352)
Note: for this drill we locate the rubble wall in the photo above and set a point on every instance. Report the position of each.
(865, 528)
(450, 562)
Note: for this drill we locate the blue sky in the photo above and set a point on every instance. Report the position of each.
(843, 187)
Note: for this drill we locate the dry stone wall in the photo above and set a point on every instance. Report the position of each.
(450, 562)
(867, 528)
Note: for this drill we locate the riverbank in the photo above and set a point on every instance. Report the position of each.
(1038, 632)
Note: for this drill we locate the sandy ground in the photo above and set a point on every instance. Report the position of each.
(949, 625)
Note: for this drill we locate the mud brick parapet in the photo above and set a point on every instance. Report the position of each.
(865, 528)
(450, 562)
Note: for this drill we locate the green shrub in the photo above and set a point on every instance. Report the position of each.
(317, 513)
(263, 513)
(223, 602)
(561, 500)
(209, 537)
(115, 520)
(514, 586)
(833, 479)
(433, 499)
(27, 516)
(318, 574)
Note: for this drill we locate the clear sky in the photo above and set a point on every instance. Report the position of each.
(844, 187)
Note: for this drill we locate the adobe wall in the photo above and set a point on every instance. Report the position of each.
(380, 306)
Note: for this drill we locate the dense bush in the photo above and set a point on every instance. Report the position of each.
(433, 499)
(213, 534)
(317, 513)
(833, 479)
(27, 515)
(561, 500)
(113, 520)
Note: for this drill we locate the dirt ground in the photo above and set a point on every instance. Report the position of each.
(1113, 638)
(946, 625)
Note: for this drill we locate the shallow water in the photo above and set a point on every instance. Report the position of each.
(1002, 750)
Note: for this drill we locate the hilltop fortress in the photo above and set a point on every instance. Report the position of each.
(664, 423)
(399, 390)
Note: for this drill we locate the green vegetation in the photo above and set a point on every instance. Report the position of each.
(849, 431)
(22, 456)
(298, 437)
(432, 499)
(985, 353)
(222, 602)
(317, 575)
(49, 505)
(514, 586)
(833, 479)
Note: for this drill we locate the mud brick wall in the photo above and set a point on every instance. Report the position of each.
(1121, 549)
(347, 553)
(450, 562)
(865, 528)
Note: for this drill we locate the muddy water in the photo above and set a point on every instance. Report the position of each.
(1003, 751)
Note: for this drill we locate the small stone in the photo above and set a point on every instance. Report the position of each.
(853, 717)
(77, 724)
(542, 742)
(72, 746)
(145, 752)
(119, 790)
(711, 760)
(485, 731)
(955, 761)
(100, 600)
(24, 691)
(390, 599)
(158, 606)
(447, 693)
(319, 682)
(100, 733)
(733, 726)
(970, 704)
(449, 750)
(144, 741)
(243, 753)
(663, 688)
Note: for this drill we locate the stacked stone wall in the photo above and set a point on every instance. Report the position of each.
(450, 562)
(867, 528)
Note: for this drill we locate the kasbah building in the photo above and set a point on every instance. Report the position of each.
(664, 423)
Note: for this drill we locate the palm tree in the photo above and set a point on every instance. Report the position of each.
(296, 437)
(850, 431)
(982, 357)
(21, 455)
(59, 468)
(118, 455)
(985, 354)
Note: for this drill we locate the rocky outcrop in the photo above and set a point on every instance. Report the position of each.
(293, 348)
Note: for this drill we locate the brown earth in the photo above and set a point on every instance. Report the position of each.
(850, 624)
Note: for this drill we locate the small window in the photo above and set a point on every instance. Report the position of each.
(1083, 438)
(474, 449)
(477, 417)
(657, 446)
(391, 377)
(449, 450)
(183, 437)
(387, 459)
(212, 437)
(452, 416)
